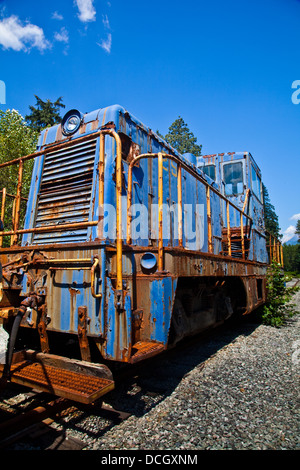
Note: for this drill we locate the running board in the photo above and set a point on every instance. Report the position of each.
(75, 380)
(143, 349)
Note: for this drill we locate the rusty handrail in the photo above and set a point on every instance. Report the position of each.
(115, 135)
(18, 198)
(228, 228)
(209, 228)
(50, 228)
(53, 148)
(18, 203)
(275, 249)
(160, 263)
(179, 197)
(5, 195)
(209, 188)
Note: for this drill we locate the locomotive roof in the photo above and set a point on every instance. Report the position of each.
(94, 120)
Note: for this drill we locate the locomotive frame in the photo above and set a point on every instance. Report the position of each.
(123, 295)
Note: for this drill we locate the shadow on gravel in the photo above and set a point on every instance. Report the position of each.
(140, 389)
(158, 377)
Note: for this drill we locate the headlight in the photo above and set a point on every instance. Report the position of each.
(71, 122)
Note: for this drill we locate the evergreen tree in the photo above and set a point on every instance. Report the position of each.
(298, 230)
(44, 114)
(271, 218)
(182, 139)
(290, 254)
(297, 256)
(159, 134)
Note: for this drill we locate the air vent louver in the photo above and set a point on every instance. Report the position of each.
(65, 192)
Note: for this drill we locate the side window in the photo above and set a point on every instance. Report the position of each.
(233, 178)
(256, 183)
(210, 170)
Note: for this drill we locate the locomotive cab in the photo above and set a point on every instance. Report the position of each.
(239, 179)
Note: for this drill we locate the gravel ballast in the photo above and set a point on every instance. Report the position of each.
(246, 397)
(237, 389)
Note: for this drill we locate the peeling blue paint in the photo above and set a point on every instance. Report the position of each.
(162, 296)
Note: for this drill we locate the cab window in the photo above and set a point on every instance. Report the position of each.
(233, 178)
(256, 183)
(210, 170)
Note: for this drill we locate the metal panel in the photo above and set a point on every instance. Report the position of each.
(65, 192)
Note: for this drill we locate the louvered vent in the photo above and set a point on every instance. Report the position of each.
(65, 193)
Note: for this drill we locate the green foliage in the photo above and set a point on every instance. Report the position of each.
(291, 258)
(270, 216)
(278, 308)
(291, 254)
(298, 230)
(44, 114)
(181, 138)
(17, 139)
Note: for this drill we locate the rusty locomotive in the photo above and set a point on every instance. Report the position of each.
(125, 248)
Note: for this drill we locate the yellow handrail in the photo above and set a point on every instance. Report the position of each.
(96, 263)
(48, 149)
(275, 249)
(115, 135)
(181, 164)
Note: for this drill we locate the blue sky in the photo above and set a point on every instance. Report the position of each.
(226, 67)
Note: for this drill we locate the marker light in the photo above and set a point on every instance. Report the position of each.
(148, 261)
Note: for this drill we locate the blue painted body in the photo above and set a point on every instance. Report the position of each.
(67, 290)
(254, 207)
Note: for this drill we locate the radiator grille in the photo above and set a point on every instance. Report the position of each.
(65, 193)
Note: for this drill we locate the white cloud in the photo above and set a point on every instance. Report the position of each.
(57, 16)
(62, 36)
(21, 37)
(106, 44)
(295, 217)
(288, 233)
(86, 9)
(105, 21)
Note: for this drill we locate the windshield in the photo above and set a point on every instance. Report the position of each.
(233, 178)
(256, 183)
(210, 170)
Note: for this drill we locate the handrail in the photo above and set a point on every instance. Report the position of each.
(95, 264)
(160, 156)
(18, 198)
(50, 228)
(275, 249)
(115, 135)
(209, 188)
(52, 148)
